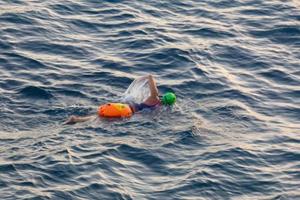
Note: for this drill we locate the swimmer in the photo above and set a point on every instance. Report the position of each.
(126, 110)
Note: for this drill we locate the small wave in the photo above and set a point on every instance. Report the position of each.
(210, 33)
(35, 92)
(288, 35)
(279, 76)
(17, 19)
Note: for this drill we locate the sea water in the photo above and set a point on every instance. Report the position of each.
(233, 133)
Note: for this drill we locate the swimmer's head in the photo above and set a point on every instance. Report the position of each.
(168, 99)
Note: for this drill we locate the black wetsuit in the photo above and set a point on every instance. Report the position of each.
(135, 107)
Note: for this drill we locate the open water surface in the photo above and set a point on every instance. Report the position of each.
(234, 133)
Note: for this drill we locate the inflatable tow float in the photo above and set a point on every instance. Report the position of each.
(115, 110)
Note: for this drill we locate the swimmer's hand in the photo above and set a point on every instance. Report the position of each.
(71, 120)
(149, 76)
(74, 119)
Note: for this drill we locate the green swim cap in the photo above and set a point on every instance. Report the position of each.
(169, 98)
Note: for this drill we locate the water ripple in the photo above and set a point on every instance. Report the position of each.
(233, 133)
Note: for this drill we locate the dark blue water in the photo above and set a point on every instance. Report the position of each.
(234, 133)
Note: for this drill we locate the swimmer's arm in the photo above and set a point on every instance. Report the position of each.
(153, 87)
(75, 119)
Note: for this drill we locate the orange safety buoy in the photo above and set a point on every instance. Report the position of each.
(115, 110)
